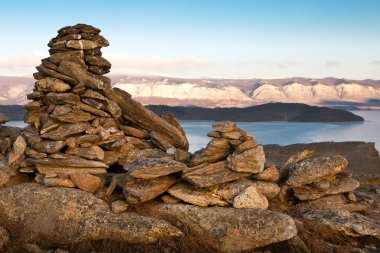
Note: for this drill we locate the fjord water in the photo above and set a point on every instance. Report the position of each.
(285, 133)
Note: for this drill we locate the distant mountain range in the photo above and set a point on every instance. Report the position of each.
(209, 92)
(265, 112)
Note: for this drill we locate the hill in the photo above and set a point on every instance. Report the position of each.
(265, 112)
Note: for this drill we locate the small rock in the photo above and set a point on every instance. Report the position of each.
(143, 190)
(251, 160)
(198, 197)
(81, 45)
(50, 84)
(87, 182)
(119, 206)
(91, 152)
(217, 149)
(248, 144)
(224, 126)
(270, 173)
(19, 147)
(251, 198)
(57, 182)
(351, 197)
(169, 199)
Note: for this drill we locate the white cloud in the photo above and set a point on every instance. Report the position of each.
(331, 63)
(21, 61)
(138, 64)
(375, 62)
(285, 63)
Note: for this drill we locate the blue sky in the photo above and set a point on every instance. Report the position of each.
(205, 38)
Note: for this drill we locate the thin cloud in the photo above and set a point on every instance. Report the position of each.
(126, 63)
(21, 61)
(278, 64)
(375, 62)
(331, 64)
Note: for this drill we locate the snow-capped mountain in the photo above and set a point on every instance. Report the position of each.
(210, 92)
(13, 90)
(224, 92)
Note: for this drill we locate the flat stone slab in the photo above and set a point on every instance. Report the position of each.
(199, 197)
(211, 174)
(314, 169)
(340, 185)
(142, 190)
(147, 168)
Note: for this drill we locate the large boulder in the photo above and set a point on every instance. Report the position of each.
(228, 229)
(66, 216)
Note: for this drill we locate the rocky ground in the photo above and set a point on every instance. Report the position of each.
(95, 171)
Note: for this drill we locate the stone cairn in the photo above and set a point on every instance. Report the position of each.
(317, 180)
(84, 134)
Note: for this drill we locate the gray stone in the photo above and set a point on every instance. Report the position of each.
(314, 169)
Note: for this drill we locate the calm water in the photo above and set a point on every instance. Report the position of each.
(285, 133)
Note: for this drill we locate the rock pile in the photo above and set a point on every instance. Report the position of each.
(231, 170)
(75, 131)
(310, 177)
